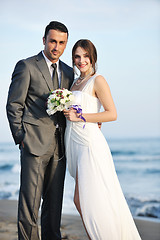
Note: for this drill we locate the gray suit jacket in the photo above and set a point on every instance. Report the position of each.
(26, 104)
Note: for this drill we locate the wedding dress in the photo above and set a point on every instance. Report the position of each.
(104, 209)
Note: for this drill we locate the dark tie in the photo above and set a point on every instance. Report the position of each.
(55, 76)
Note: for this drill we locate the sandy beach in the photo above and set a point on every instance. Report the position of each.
(72, 227)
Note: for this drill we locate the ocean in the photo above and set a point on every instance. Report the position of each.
(137, 163)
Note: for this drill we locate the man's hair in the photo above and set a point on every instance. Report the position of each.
(89, 47)
(55, 26)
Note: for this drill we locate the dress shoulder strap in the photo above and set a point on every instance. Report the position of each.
(88, 88)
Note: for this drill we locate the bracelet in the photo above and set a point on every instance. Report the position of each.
(79, 110)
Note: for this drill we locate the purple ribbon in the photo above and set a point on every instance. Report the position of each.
(79, 110)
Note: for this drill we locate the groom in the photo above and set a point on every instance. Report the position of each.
(40, 137)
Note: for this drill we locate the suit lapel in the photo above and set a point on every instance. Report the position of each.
(42, 65)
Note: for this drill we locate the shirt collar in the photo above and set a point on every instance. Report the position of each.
(49, 63)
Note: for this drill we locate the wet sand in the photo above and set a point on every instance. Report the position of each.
(72, 227)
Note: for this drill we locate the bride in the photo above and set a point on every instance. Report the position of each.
(98, 196)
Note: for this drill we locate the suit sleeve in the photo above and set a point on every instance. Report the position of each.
(16, 99)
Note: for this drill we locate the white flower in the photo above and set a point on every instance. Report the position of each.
(59, 100)
(51, 112)
(65, 92)
(62, 101)
(71, 98)
(59, 108)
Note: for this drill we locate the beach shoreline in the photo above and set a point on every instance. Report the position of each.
(71, 227)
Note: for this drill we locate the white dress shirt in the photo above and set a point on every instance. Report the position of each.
(49, 63)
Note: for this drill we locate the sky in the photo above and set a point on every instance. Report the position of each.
(126, 34)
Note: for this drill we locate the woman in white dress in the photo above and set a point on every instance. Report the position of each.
(98, 196)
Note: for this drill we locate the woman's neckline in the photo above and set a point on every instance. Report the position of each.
(81, 89)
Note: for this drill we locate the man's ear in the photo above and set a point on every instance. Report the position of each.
(44, 41)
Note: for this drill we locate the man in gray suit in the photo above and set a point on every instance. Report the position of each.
(40, 137)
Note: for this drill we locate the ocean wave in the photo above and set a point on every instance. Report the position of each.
(130, 170)
(5, 195)
(144, 207)
(6, 167)
(149, 210)
(139, 206)
(136, 158)
(15, 168)
(121, 152)
(152, 171)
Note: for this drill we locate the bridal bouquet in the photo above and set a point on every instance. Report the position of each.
(59, 100)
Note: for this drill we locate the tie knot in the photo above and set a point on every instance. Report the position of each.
(54, 65)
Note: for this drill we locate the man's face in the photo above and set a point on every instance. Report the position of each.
(54, 44)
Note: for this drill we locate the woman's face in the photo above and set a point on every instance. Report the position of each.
(82, 61)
